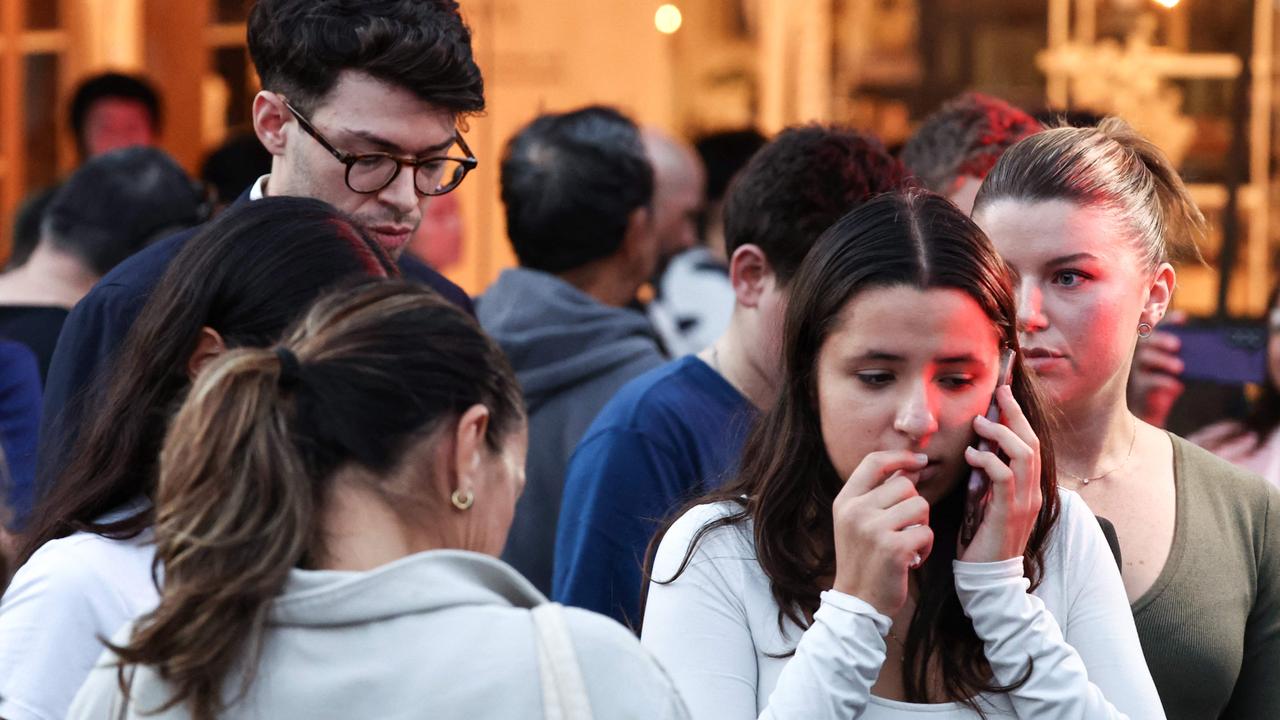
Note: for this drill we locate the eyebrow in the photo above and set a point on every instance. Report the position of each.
(882, 356)
(1067, 259)
(395, 149)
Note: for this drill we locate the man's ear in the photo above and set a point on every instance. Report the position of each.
(639, 238)
(749, 270)
(209, 345)
(1160, 294)
(269, 119)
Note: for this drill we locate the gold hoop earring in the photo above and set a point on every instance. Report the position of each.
(462, 499)
(1144, 330)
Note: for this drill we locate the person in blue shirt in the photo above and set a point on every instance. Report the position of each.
(676, 431)
(360, 108)
(19, 419)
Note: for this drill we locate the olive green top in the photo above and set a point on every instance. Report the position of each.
(1210, 624)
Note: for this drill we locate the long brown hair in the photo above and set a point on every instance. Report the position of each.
(247, 275)
(245, 466)
(786, 484)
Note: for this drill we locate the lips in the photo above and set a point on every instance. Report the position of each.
(1036, 353)
(392, 237)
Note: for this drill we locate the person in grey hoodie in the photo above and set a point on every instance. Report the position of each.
(326, 520)
(578, 189)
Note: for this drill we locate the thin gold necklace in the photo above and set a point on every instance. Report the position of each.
(1086, 480)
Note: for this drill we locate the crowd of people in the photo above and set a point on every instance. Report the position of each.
(760, 427)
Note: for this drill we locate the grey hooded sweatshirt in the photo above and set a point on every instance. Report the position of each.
(571, 353)
(439, 634)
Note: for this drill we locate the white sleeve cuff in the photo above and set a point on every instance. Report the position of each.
(857, 606)
(972, 576)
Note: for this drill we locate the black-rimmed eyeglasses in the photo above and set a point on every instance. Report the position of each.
(369, 173)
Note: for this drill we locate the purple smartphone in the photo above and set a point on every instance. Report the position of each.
(975, 505)
(1229, 353)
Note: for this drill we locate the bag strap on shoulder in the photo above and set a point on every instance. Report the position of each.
(564, 693)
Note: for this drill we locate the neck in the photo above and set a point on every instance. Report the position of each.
(49, 277)
(729, 356)
(1096, 437)
(362, 531)
(602, 280)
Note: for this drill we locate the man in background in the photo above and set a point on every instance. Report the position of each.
(108, 112)
(693, 298)
(359, 108)
(679, 190)
(578, 193)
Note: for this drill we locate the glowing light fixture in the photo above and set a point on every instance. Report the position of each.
(668, 18)
(1168, 4)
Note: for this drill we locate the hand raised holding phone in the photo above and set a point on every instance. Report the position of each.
(1013, 499)
(881, 529)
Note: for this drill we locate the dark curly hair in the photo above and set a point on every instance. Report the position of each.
(799, 184)
(299, 47)
(965, 137)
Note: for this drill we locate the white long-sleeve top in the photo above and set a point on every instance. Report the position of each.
(716, 630)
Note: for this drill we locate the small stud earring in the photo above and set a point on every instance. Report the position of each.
(1144, 330)
(462, 499)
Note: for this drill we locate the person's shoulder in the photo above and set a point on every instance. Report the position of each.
(414, 268)
(1206, 473)
(599, 633)
(78, 562)
(1074, 520)
(100, 695)
(663, 391)
(17, 362)
(618, 671)
(713, 529)
(142, 270)
(60, 581)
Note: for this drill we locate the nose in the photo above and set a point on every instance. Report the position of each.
(1031, 317)
(400, 194)
(916, 418)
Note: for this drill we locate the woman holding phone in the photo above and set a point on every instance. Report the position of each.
(827, 579)
(1090, 220)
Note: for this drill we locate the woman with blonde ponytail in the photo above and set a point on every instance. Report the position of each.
(1092, 221)
(328, 517)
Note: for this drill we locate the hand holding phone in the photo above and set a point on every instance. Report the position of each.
(975, 505)
(1009, 510)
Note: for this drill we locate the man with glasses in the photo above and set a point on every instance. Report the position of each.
(360, 107)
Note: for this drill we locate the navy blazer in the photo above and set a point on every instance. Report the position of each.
(101, 320)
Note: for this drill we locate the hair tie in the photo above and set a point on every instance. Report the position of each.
(290, 368)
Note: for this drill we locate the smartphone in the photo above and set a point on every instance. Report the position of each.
(1230, 353)
(975, 505)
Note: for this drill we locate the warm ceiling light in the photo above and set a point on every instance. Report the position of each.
(1168, 4)
(667, 19)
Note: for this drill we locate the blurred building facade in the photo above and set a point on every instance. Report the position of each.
(1196, 76)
